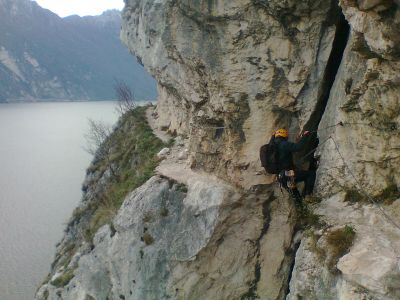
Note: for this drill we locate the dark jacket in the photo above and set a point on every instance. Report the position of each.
(285, 150)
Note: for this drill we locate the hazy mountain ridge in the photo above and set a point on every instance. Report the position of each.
(45, 57)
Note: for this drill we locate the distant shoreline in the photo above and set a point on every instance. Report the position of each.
(49, 100)
(65, 101)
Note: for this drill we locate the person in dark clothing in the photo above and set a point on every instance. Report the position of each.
(287, 166)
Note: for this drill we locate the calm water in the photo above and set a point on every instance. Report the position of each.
(42, 166)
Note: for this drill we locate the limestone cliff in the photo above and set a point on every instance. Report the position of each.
(212, 224)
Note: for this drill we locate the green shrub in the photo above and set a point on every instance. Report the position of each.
(339, 241)
(63, 279)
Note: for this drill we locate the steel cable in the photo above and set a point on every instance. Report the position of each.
(360, 186)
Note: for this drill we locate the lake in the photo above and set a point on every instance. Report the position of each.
(42, 167)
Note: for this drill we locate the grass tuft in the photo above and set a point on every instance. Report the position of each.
(390, 194)
(353, 196)
(148, 217)
(128, 162)
(164, 212)
(339, 241)
(309, 219)
(148, 239)
(182, 188)
(63, 279)
(45, 295)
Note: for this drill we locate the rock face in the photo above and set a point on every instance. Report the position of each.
(45, 57)
(366, 98)
(369, 271)
(229, 73)
(162, 239)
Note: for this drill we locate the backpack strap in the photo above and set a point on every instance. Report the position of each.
(277, 152)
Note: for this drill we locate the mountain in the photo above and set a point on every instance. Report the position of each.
(45, 57)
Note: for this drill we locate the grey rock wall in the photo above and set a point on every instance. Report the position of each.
(246, 66)
(168, 242)
(365, 97)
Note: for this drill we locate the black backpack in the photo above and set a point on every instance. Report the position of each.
(269, 157)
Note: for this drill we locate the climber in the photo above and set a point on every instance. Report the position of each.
(287, 173)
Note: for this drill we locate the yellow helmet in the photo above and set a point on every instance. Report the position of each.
(282, 132)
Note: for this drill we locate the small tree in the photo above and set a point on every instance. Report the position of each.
(99, 144)
(125, 97)
(98, 133)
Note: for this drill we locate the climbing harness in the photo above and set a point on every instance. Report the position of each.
(287, 181)
(291, 176)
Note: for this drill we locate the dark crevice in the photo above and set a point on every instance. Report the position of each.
(252, 292)
(332, 67)
(335, 58)
(293, 262)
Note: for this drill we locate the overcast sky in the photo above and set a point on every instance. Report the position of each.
(80, 7)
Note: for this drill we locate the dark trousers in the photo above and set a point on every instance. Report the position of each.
(294, 192)
(309, 180)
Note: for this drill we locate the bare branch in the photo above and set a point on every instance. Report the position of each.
(98, 133)
(100, 145)
(125, 96)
